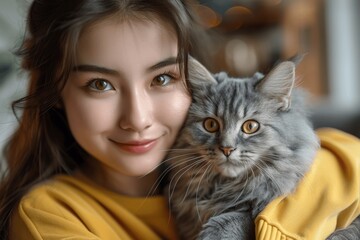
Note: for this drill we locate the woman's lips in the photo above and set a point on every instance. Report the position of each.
(137, 147)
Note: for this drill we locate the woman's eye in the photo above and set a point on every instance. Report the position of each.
(211, 125)
(162, 80)
(100, 85)
(250, 126)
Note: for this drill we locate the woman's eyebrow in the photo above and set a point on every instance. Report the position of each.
(98, 69)
(166, 62)
(94, 68)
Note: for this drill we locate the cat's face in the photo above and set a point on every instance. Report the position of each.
(234, 123)
(229, 147)
(231, 132)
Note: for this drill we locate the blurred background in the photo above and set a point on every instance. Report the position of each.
(249, 36)
(253, 35)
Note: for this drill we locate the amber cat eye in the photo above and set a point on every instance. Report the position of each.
(211, 125)
(250, 126)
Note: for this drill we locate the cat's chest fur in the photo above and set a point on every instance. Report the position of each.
(214, 194)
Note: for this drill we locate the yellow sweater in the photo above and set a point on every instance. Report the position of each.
(326, 199)
(70, 208)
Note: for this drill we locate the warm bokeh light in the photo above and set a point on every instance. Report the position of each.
(241, 57)
(235, 16)
(208, 17)
(272, 2)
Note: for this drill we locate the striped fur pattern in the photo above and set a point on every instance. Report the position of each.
(245, 142)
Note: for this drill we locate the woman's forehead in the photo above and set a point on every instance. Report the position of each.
(115, 44)
(131, 18)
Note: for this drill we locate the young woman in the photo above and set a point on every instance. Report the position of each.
(107, 97)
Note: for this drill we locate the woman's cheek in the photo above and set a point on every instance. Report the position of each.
(92, 114)
(175, 107)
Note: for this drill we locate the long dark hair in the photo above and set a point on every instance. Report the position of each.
(43, 145)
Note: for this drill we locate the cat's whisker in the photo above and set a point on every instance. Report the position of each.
(158, 181)
(181, 171)
(253, 175)
(166, 160)
(164, 174)
(264, 170)
(181, 156)
(183, 149)
(198, 160)
(242, 193)
(197, 190)
(191, 183)
(176, 166)
(235, 201)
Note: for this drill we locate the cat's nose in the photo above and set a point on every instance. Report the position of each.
(227, 150)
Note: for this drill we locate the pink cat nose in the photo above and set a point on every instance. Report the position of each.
(227, 150)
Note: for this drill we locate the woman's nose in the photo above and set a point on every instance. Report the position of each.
(136, 112)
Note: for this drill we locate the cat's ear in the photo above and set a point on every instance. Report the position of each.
(198, 74)
(279, 83)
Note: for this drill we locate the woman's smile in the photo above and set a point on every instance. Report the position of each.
(137, 147)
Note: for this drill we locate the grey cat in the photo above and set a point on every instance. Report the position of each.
(244, 143)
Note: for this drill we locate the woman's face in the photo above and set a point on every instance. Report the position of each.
(125, 101)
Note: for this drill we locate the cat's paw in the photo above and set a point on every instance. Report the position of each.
(351, 232)
(228, 226)
(339, 238)
(345, 234)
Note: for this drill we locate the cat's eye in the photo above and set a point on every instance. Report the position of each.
(250, 126)
(211, 125)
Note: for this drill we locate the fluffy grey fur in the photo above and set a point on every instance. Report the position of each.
(245, 142)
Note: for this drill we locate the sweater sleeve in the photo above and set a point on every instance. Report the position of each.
(326, 199)
(29, 223)
(67, 208)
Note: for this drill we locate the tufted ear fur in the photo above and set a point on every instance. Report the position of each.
(198, 74)
(279, 83)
